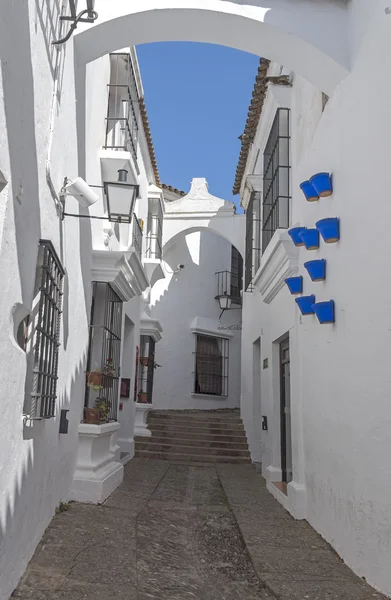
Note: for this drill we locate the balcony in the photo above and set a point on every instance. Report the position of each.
(120, 143)
(121, 121)
(229, 284)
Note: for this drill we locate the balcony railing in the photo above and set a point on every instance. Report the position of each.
(121, 121)
(137, 240)
(229, 284)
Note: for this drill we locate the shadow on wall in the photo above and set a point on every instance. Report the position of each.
(36, 467)
(48, 24)
(184, 295)
(23, 518)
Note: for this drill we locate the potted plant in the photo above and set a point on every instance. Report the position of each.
(103, 406)
(306, 303)
(310, 237)
(295, 235)
(295, 284)
(101, 378)
(325, 311)
(316, 269)
(143, 397)
(92, 416)
(322, 184)
(329, 229)
(309, 191)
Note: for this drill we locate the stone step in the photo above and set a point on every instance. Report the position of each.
(198, 426)
(177, 449)
(218, 434)
(189, 418)
(191, 458)
(210, 442)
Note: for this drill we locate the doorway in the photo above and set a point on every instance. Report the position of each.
(285, 414)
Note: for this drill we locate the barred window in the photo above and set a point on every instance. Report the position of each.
(46, 332)
(211, 365)
(236, 275)
(253, 239)
(104, 351)
(276, 178)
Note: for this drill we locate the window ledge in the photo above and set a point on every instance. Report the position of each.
(279, 261)
(208, 396)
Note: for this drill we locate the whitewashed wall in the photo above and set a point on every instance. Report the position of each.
(339, 374)
(176, 301)
(36, 464)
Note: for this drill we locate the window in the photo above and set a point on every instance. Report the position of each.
(122, 107)
(236, 276)
(155, 230)
(104, 351)
(276, 178)
(253, 238)
(46, 332)
(211, 365)
(147, 369)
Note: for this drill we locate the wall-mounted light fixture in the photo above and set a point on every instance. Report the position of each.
(225, 302)
(75, 19)
(120, 195)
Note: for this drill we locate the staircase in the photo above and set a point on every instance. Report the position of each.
(195, 436)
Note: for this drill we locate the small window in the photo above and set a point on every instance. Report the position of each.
(211, 365)
(46, 332)
(236, 276)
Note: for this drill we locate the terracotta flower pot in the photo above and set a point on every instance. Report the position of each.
(143, 397)
(98, 379)
(144, 361)
(92, 416)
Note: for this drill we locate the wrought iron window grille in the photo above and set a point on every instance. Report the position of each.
(147, 369)
(276, 177)
(46, 334)
(104, 352)
(253, 239)
(211, 362)
(155, 232)
(137, 240)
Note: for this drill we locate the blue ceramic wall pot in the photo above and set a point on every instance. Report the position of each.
(325, 311)
(329, 229)
(310, 237)
(309, 191)
(316, 269)
(306, 303)
(322, 184)
(294, 233)
(295, 284)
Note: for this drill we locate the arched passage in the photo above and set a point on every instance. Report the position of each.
(310, 38)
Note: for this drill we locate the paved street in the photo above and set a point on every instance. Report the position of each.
(186, 532)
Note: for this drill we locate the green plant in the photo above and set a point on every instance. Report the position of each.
(104, 406)
(63, 507)
(94, 378)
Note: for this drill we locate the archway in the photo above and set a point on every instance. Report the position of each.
(296, 35)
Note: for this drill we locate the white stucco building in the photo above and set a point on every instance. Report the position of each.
(200, 352)
(85, 298)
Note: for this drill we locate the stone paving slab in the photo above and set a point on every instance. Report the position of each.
(186, 532)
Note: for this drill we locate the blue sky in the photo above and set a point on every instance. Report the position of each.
(197, 97)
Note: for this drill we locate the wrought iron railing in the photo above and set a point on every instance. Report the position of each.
(137, 236)
(276, 178)
(121, 121)
(229, 285)
(104, 352)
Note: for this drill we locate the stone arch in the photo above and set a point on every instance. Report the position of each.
(185, 229)
(308, 37)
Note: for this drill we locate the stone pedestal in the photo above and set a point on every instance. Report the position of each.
(140, 424)
(97, 473)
